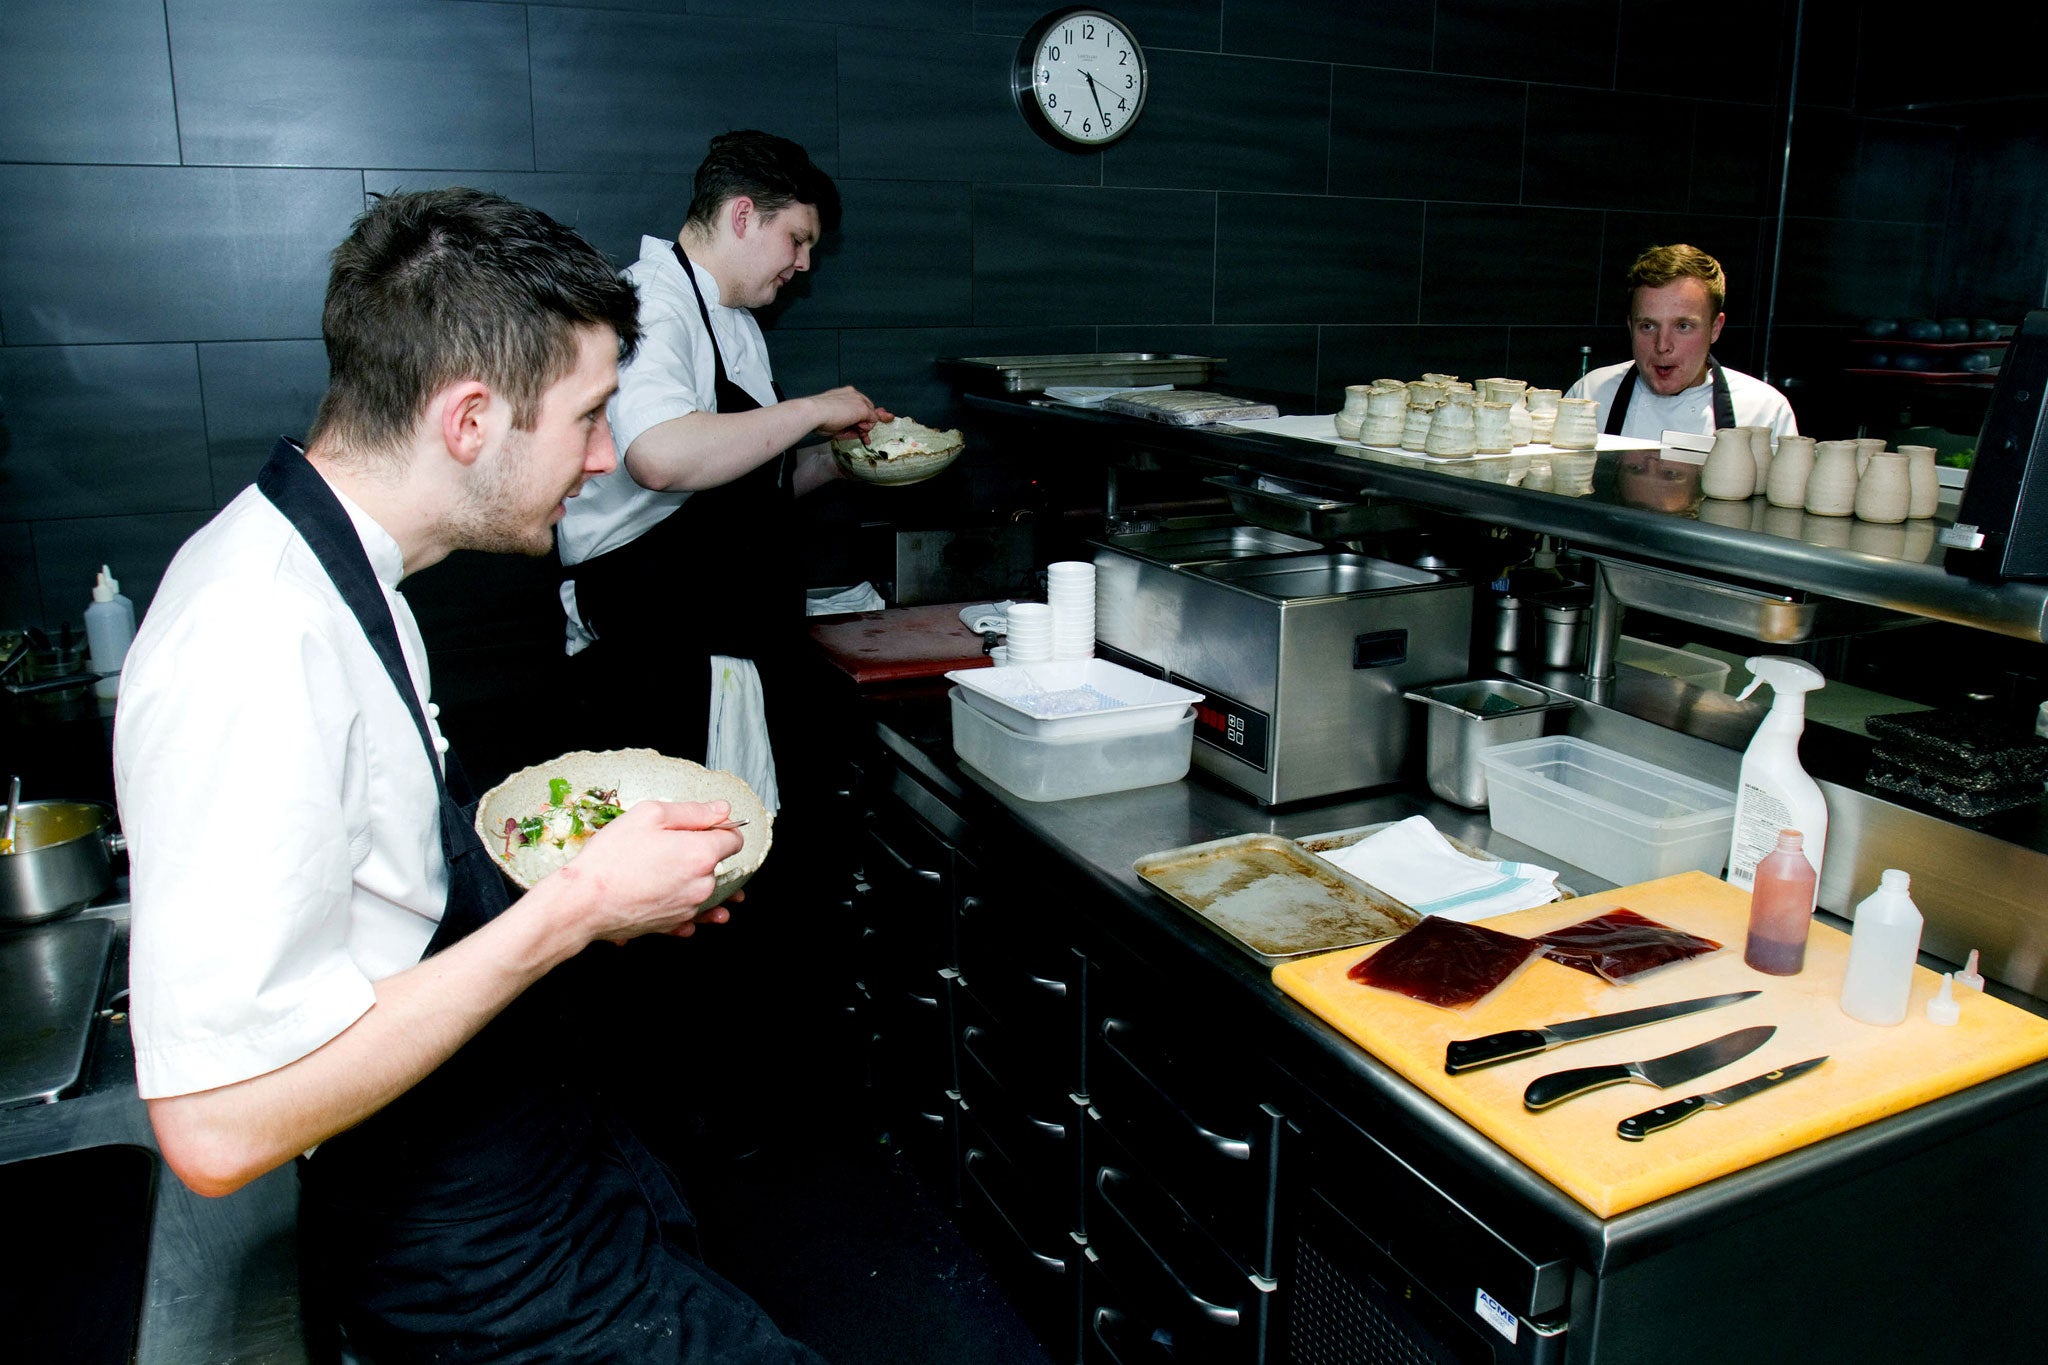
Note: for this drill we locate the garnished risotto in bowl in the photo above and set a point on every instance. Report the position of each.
(539, 818)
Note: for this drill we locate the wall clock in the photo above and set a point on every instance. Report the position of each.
(1079, 78)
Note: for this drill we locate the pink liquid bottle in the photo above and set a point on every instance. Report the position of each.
(1781, 907)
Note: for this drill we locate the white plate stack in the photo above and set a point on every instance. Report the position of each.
(1070, 591)
(1028, 636)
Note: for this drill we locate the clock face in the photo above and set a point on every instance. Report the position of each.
(1080, 78)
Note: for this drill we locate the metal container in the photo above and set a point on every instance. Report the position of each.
(1101, 369)
(1564, 626)
(1468, 718)
(66, 868)
(1302, 658)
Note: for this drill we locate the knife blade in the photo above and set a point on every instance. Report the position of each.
(1469, 1054)
(1636, 1127)
(1673, 1069)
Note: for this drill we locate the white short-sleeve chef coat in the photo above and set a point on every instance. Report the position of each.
(1650, 415)
(282, 822)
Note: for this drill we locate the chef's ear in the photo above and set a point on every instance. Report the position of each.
(1719, 318)
(464, 410)
(741, 213)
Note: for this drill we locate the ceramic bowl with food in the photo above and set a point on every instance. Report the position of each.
(897, 451)
(554, 807)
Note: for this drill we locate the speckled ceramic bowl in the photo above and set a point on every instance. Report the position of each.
(638, 775)
(873, 463)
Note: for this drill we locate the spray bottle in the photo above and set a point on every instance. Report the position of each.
(109, 629)
(1775, 793)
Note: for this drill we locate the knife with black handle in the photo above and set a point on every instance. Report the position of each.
(1469, 1054)
(1636, 1127)
(1674, 1069)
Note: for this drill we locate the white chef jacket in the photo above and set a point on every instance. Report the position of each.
(282, 824)
(1650, 414)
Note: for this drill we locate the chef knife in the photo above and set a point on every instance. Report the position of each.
(1636, 1127)
(1678, 1067)
(1469, 1054)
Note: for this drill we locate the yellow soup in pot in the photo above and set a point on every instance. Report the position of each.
(42, 826)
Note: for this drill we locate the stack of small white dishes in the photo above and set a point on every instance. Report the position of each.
(1070, 592)
(1029, 635)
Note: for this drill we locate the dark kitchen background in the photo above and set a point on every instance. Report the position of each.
(1322, 191)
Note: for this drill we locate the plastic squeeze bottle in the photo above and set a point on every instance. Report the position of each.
(1775, 792)
(1781, 908)
(1882, 949)
(109, 629)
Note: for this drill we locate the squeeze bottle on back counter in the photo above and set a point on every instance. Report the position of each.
(1781, 908)
(1883, 946)
(1775, 792)
(109, 629)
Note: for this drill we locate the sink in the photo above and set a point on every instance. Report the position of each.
(79, 1224)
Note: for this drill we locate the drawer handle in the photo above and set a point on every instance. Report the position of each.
(1236, 1149)
(1109, 1176)
(1105, 1322)
(1050, 985)
(973, 1033)
(975, 1156)
(924, 873)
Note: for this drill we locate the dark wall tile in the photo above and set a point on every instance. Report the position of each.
(903, 256)
(1740, 45)
(1387, 33)
(1280, 360)
(137, 548)
(1737, 155)
(633, 92)
(1836, 271)
(1905, 171)
(1214, 122)
(1401, 135)
(1359, 355)
(1820, 177)
(806, 362)
(21, 588)
(1831, 46)
(1059, 255)
(962, 124)
(97, 430)
(227, 255)
(926, 16)
(1607, 150)
(1548, 357)
(1277, 259)
(1192, 25)
(1731, 241)
(86, 83)
(350, 83)
(611, 212)
(1564, 42)
(1996, 265)
(255, 392)
(1509, 266)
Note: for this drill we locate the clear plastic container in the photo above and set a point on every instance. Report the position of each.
(1049, 767)
(1073, 697)
(1682, 664)
(1615, 816)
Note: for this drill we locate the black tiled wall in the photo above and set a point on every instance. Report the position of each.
(1320, 190)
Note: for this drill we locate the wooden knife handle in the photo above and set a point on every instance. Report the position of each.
(1636, 1127)
(1469, 1054)
(1545, 1091)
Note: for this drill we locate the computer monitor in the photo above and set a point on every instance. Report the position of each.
(2001, 527)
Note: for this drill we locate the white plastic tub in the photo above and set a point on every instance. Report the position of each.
(1057, 767)
(1074, 697)
(1616, 816)
(1698, 669)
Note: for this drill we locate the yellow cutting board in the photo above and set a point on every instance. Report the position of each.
(1871, 1071)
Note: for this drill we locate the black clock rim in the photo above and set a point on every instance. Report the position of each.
(1020, 80)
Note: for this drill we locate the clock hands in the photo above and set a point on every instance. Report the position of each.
(1096, 96)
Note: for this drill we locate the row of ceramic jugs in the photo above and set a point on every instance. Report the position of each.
(1857, 478)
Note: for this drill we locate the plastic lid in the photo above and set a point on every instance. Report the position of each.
(1894, 879)
(1943, 1009)
(104, 589)
(1969, 975)
(1791, 841)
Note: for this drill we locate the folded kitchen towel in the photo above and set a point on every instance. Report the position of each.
(842, 601)
(738, 739)
(986, 616)
(1413, 862)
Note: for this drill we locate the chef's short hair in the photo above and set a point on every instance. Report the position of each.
(772, 171)
(1660, 265)
(436, 286)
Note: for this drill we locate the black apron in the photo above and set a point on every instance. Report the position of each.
(743, 596)
(1724, 404)
(491, 1212)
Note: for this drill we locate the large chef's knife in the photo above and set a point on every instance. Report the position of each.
(1636, 1127)
(1688, 1065)
(1469, 1054)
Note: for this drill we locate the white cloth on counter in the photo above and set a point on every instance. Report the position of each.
(987, 616)
(842, 601)
(737, 741)
(1413, 862)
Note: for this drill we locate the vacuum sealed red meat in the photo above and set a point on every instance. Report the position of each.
(1621, 945)
(1443, 962)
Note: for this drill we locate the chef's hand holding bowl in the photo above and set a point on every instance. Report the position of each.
(897, 451)
(656, 866)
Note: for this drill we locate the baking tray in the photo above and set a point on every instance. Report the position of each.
(1032, 373)
(1187, 407)
(50, 979)
(1274, 897)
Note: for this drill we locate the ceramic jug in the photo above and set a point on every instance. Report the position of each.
(1451, 431)
(1786, 486)
(1884, 490)
(1352, 415)
(1831, 487)
(1492, 431)
(1924, 494)
(1760, 450)
(1730, 471)
(1577, 425)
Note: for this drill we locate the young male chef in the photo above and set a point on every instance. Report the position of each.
(326, 962)
(1674, 383)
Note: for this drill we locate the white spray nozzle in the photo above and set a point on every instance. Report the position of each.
(1969, 975)
(105, 586)
(1790, 679)
(1943, 1009)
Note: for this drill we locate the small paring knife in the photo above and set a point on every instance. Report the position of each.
(1469, 1054)
(1675, 1069)
(1636, 1127)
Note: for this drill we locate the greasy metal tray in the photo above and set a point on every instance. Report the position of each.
(1187, 407)
(1032, 373)
(1273, 896)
